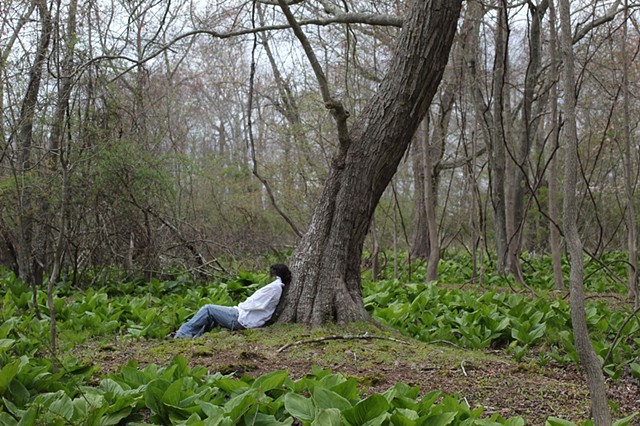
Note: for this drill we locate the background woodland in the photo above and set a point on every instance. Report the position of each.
(154, 136)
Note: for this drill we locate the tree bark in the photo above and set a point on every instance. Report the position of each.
(529, 128)
(326, 264)
(420, 244)
(632, 231)
(430, 155)
(497, 150)
(57, 149)
(554, 195)
(588, 357)
(29, 267)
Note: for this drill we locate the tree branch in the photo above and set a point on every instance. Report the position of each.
(333, 105)
(347, 337)
(454, 164)
(611, 13)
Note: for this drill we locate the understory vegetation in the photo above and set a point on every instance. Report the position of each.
(532, 324)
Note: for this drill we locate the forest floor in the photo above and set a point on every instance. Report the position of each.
(378, 359)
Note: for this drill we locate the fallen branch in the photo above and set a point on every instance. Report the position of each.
(462, 366)
(447, 342)
(348, 337)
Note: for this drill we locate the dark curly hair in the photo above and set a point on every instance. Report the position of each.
(282, 271)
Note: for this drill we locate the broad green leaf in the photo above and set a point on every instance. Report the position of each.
(328, 417)
(11, 408)
(111, 386)
(324, 398)
(427, 401)
(6, 344)
(19, 393)
(217, 420)
(441, 419)
(635, 370)
(270, 381)
(194, 420)
(7, 420)
(238, 405)
(366, 410)
(63, 406)
(210, 409)
(153, 395)
(9, 371)
(555, 421)
(348, 389)
(398, 419)
(514, 421)
(172, 395)
(231, 386)
(110, 419)
(262, 419)
(29, 417)
(299, 407)
(625, 421)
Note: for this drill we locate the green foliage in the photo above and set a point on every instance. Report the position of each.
(497, 319)
(32, 392)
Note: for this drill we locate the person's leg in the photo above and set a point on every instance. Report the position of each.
(207, 317)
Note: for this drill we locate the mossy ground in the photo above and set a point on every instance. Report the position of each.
(379, 359)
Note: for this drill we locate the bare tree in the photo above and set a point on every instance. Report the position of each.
(326, 263)
(628, 170)
(529, 131)
(29, 258)
(554, 209)
(588, 357)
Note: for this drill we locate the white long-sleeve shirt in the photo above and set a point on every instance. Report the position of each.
(260, 306)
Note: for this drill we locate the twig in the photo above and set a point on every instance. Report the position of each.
(618, 336)
(447, 342)
(347, 337)
(463, 370)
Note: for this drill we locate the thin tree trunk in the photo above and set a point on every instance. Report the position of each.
(588, 357)
(469, 35)
(628, 172)
(497, 152)
(529, 129)
(430, 197)
(326, 263)
(56, 147)
(28, 266)
(420, 244)
(375, 252)
(4, 56)
(554, 195)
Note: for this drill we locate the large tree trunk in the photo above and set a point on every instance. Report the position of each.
(588, 357)
(326, 264)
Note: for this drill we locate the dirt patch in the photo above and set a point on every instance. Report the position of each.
(377, 360)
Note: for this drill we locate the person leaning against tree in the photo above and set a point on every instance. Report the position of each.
(252, 313)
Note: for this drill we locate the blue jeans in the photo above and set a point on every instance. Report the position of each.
(207, 317)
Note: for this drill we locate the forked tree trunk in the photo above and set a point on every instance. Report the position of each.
(326, 264)
(588, 358)
(530, 123)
